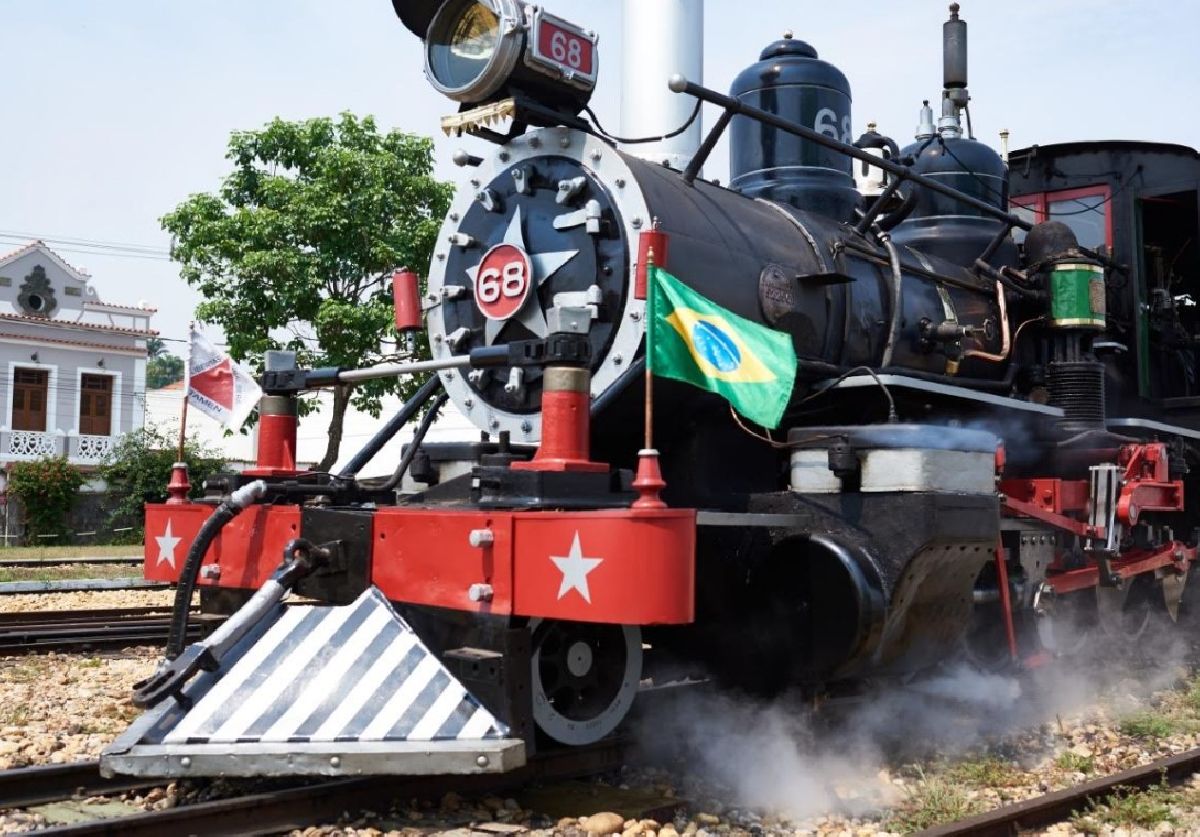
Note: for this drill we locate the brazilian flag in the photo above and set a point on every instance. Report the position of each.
(694, 340)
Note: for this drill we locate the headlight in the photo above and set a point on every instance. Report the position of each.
(483, 51)
(472, 47)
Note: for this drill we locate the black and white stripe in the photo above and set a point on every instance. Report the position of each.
(337, 674)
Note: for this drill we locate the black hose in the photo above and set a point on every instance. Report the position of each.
(415, 445)
(189, 573)
(230, 508)
(384, 435)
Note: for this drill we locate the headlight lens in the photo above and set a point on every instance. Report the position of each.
(462, 42)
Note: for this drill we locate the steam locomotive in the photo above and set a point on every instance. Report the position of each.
(987, 451)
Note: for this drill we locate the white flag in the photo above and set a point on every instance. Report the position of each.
(217, 386)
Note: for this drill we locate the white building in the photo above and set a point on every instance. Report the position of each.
(73, 367)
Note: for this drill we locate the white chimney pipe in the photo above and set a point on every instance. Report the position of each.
(660, 38)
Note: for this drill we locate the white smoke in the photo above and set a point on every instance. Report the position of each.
(783, 757)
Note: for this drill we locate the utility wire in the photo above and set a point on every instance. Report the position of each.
(87, 242)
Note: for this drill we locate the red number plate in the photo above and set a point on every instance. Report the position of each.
(569, 50)
(503, 281)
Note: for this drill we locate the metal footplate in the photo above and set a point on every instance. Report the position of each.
(318, 690)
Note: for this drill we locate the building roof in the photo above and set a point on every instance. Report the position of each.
(74, 273)
(38, 244)
(75, 344)
(75, 324)
(125, 309)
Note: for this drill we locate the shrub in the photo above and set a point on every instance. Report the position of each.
(47, 489)
(138, 468)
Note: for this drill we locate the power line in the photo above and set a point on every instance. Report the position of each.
(88, 242)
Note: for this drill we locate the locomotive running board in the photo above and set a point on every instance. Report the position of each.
(319, 690)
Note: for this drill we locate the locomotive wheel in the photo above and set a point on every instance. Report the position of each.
(1125, 613)
(585, 677)
(1066, 625)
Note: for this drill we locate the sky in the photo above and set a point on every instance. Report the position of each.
(115, 111)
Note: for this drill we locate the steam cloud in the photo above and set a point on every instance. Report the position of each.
(782, 757)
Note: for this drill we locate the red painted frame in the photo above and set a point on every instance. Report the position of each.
(1039, 202)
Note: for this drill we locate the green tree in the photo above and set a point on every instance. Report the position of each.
(163, 369)
(301, 240)
(47, 489)
(138, 468)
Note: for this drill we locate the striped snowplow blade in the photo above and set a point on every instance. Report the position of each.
(322, 690)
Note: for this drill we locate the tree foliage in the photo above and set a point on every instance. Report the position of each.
(47, 489)
(301, 239)
(162, 370)
(138, 468)
(162, 367)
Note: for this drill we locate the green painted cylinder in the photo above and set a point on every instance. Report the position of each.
(1077, 295)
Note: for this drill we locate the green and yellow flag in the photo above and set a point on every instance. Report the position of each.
(694, 340)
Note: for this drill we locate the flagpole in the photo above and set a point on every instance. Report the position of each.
(648, 481)
(187, 379)
(179, 486)
(648, 437)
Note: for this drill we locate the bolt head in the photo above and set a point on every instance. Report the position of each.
(335, 761)
(504, 156)
(527, 425)
(186, 761)
(482, 760)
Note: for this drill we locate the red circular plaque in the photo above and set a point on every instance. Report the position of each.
(503, 281)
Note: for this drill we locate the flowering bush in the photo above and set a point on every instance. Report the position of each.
(47, 489)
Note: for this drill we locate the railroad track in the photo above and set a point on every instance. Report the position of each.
(292, 807)
(67, 630)
(79, 585)
(36, 563)
(1050, 808)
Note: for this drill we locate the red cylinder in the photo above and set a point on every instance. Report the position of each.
(655, 240)
(406, 297)
(566, 424)
(276, 435)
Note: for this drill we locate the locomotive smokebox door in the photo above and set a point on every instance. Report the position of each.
(329, 691)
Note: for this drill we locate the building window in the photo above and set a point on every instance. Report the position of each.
(30, 392)
(1085, 211)
(95, 405)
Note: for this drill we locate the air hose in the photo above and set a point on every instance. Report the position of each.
(229, 508)
(415, 445)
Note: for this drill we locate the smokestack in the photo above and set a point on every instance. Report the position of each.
(660, 38)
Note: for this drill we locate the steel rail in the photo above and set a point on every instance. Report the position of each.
(21, 787)
(41, 563)
(301, 806)
(31, 616)
(79, 585)
(75, 631)
(1055, 807)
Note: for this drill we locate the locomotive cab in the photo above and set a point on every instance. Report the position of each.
(1135, 202)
